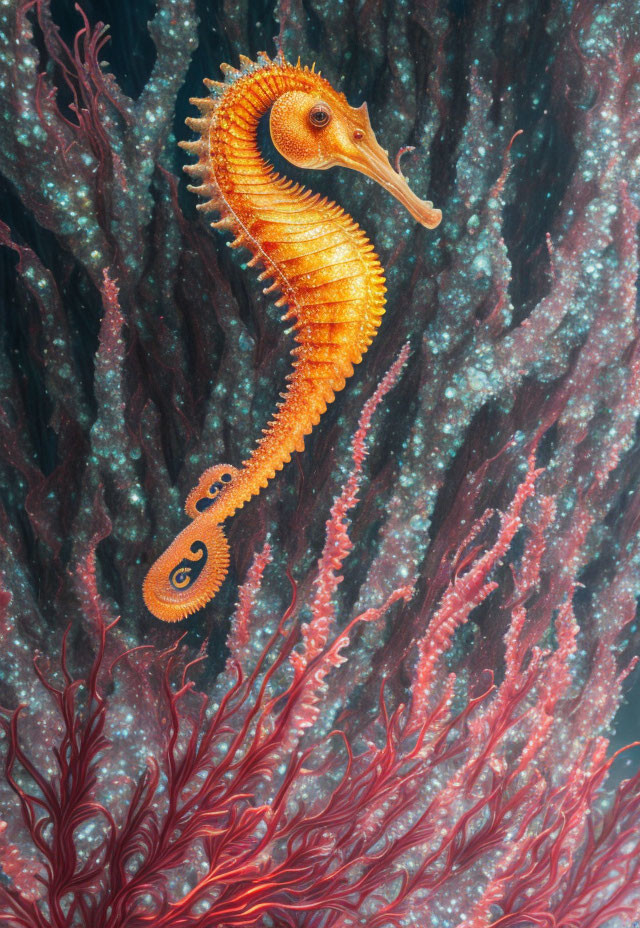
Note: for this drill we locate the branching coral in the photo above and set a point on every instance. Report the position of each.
(447, 790)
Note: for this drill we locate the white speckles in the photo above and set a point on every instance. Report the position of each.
(481, 264)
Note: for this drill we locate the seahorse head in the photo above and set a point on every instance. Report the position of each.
(320, 130)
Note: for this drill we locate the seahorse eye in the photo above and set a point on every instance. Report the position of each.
(358, 135)
(320, 115)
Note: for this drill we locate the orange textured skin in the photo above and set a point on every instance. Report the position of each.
(326, 273)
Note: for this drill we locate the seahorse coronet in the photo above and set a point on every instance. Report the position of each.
(310, 254)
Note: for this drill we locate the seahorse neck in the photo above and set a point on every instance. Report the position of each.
(235, 157)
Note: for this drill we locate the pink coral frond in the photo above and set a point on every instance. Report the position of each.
(240, 633)
(469, 587)
(338, 543)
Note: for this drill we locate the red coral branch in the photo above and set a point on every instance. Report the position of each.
(273, 827)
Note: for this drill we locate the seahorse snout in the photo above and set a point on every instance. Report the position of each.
(316, 130)
(374, 162)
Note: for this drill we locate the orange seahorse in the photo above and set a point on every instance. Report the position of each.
(313, 252)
